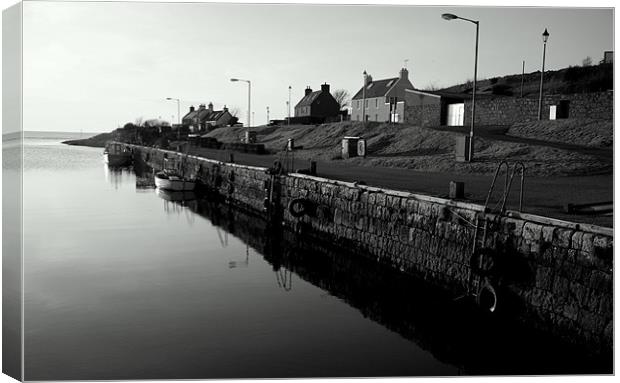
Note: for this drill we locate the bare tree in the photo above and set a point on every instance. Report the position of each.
(432, 86)
(234, 111)
(342, 97)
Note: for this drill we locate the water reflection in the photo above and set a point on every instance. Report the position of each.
(117, 175)
(454, 332)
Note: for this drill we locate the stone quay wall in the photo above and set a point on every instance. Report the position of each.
(554, 275)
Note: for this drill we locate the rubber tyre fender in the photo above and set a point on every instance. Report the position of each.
(487, 298)
(298, 207)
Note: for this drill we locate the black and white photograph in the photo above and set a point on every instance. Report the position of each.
(227, 190)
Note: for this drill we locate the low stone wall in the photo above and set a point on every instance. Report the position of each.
(423, 115)
(501, 110)
(554, 275)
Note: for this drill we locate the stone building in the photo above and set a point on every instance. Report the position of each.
(384, 99)
(318, 105)
(206, 118)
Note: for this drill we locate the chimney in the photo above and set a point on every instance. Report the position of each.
(308, 91)
(325, 88)
(225, 108)
(202, 106)
(404, 74)
(191, 108)
(210, 107)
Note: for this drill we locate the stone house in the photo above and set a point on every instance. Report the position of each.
(384, 99)
(206, 118)
(318, 105)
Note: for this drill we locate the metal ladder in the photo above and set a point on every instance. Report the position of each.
(507, 186)
(480, 237)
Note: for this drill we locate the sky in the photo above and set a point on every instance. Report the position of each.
(91, 66)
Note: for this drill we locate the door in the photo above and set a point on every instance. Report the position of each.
(456, 113)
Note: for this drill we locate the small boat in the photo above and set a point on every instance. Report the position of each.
(168, 180)
(117, 155)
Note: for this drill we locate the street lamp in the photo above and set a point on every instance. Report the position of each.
(289, 105)
(249, 97)
(449, 16)
(178, 108)
(364, 97)
(545, 36)
(267, 115)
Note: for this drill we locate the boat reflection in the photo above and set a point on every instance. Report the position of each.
(179, 202)
(117, 175)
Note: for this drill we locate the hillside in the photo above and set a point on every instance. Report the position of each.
(575, 79)
(425, 149)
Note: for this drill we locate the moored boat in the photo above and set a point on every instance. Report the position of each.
(116, 154)
(171, 181)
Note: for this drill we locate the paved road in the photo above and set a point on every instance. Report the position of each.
(543, 196)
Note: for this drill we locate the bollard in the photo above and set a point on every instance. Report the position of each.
(313, 168)
(457, 190)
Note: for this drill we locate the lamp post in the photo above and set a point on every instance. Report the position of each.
(178, 108)
(267, 115)
(249, 97)
(364, 97)
(288, 104)
(449, 16)
(545, 36)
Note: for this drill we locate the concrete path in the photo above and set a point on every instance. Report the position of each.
(542, 196)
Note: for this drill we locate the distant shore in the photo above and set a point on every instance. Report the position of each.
(97, 141)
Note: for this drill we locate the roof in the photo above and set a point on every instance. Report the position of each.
(309, 99)
(459, 96)
(205, 115)
(377, 88)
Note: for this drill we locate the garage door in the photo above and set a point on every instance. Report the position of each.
(456, 113)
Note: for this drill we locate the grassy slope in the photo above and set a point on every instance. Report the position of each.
(430, 150)
(577, 79)
(587, 132)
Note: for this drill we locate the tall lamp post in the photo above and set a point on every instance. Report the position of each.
(249, 97)
(449, 16)
(364, 97)
(545, 36)
(288, 104)
(178, 108)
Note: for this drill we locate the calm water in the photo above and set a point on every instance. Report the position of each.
(122, 283)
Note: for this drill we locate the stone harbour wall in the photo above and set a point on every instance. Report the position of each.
(555, 275)
(554, 272)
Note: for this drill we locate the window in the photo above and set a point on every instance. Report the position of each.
(376, 117)
(376, 102)
(359, 104)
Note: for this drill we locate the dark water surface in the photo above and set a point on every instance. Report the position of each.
(122, 283)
